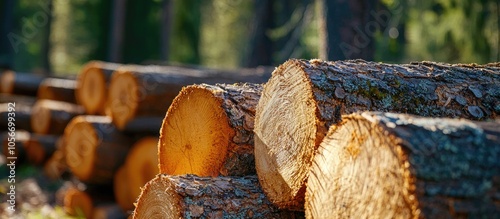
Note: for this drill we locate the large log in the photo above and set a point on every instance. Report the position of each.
(386, 165)
(147, 91)
(92, 86)
(52, 117)
(19, 113)
(208, 131)
(141, 165)
(57, 89)
(95, 149)
(20, 83)
(304, 98)
(190, 196)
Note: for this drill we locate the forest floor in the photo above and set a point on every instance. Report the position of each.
(35, 194)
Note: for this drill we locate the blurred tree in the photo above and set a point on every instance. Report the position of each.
(166, 29)
(6, 50)
(46, 46)
(346, 29)
(186, 31)
(260, 45)
(117, 25)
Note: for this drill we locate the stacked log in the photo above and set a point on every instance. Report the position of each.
(141, 165)
(39, 148)
(52, 117)
(57, 89)
(208, 131)
(56, 166)
(13, 145)
(386, 165)
(190, 196)
(19, 113)
(304, 98)
(19, 83)
(95, 149)
(147, 91)
(92, 86)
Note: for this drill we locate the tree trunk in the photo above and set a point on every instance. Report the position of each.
(92, 86)
(95, 148)
(147, 91)
(19, 83)
(304, 98)
(190, 196)
(223, 145)
(116, 36)
(346, 29)
(261, 46)
(57, 89)
(39, 148)
(166, 29)
(21, 114)
(386, 165)
(52, 117)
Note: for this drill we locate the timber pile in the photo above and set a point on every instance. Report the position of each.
(386, 165)
(57, 89)
(20, 83)
(304, 98)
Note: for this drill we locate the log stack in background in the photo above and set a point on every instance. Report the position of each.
(20, 83)
(57, 89)
(304, 98)
(386, 165)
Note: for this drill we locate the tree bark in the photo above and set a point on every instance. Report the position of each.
(21, 114)
(52, 117)
(190, 196)
(147, 91)
(92, 86)
(57, 89)
(304, 98)
(95, 149)
(386, 165)
(19, 83)
(223, 145)
(39, 148)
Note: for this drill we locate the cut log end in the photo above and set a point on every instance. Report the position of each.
(158, 200)
(197, 149)
(78, 203)
(41, 117)
(287, 110)
(81, 141)
(91, 90)
(358, 171)
(142, 164)
(7, 82)
(122, 190)
(124, 97)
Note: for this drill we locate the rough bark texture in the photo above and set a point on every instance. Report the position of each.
(21, 113)
(19, 83)
(52, 117)
(202, 197)
(92, 86)
(208, 131)
(95, 148)
(57, 89)
(386, 165)
(138, 91)
(304, 98)
(39, 148)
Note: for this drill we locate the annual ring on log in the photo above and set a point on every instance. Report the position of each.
(80, 147)
(92, 86)
(199, 136)
(124, 98)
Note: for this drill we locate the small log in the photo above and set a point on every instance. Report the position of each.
(190, 196)
(20, 83)
(39, 148)
(18, 99)
(108, 211)
(52, 117)
(141, 164)
(386, 165)
(95, 149)
(57, 89)
(19, 113)
(13, 145)
(122, 190)
(148, 91)
(92, 86)
(304, 98)
(78, 203)
(56, 166)
(208, 131)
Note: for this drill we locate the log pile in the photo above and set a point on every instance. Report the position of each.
(317, 140)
